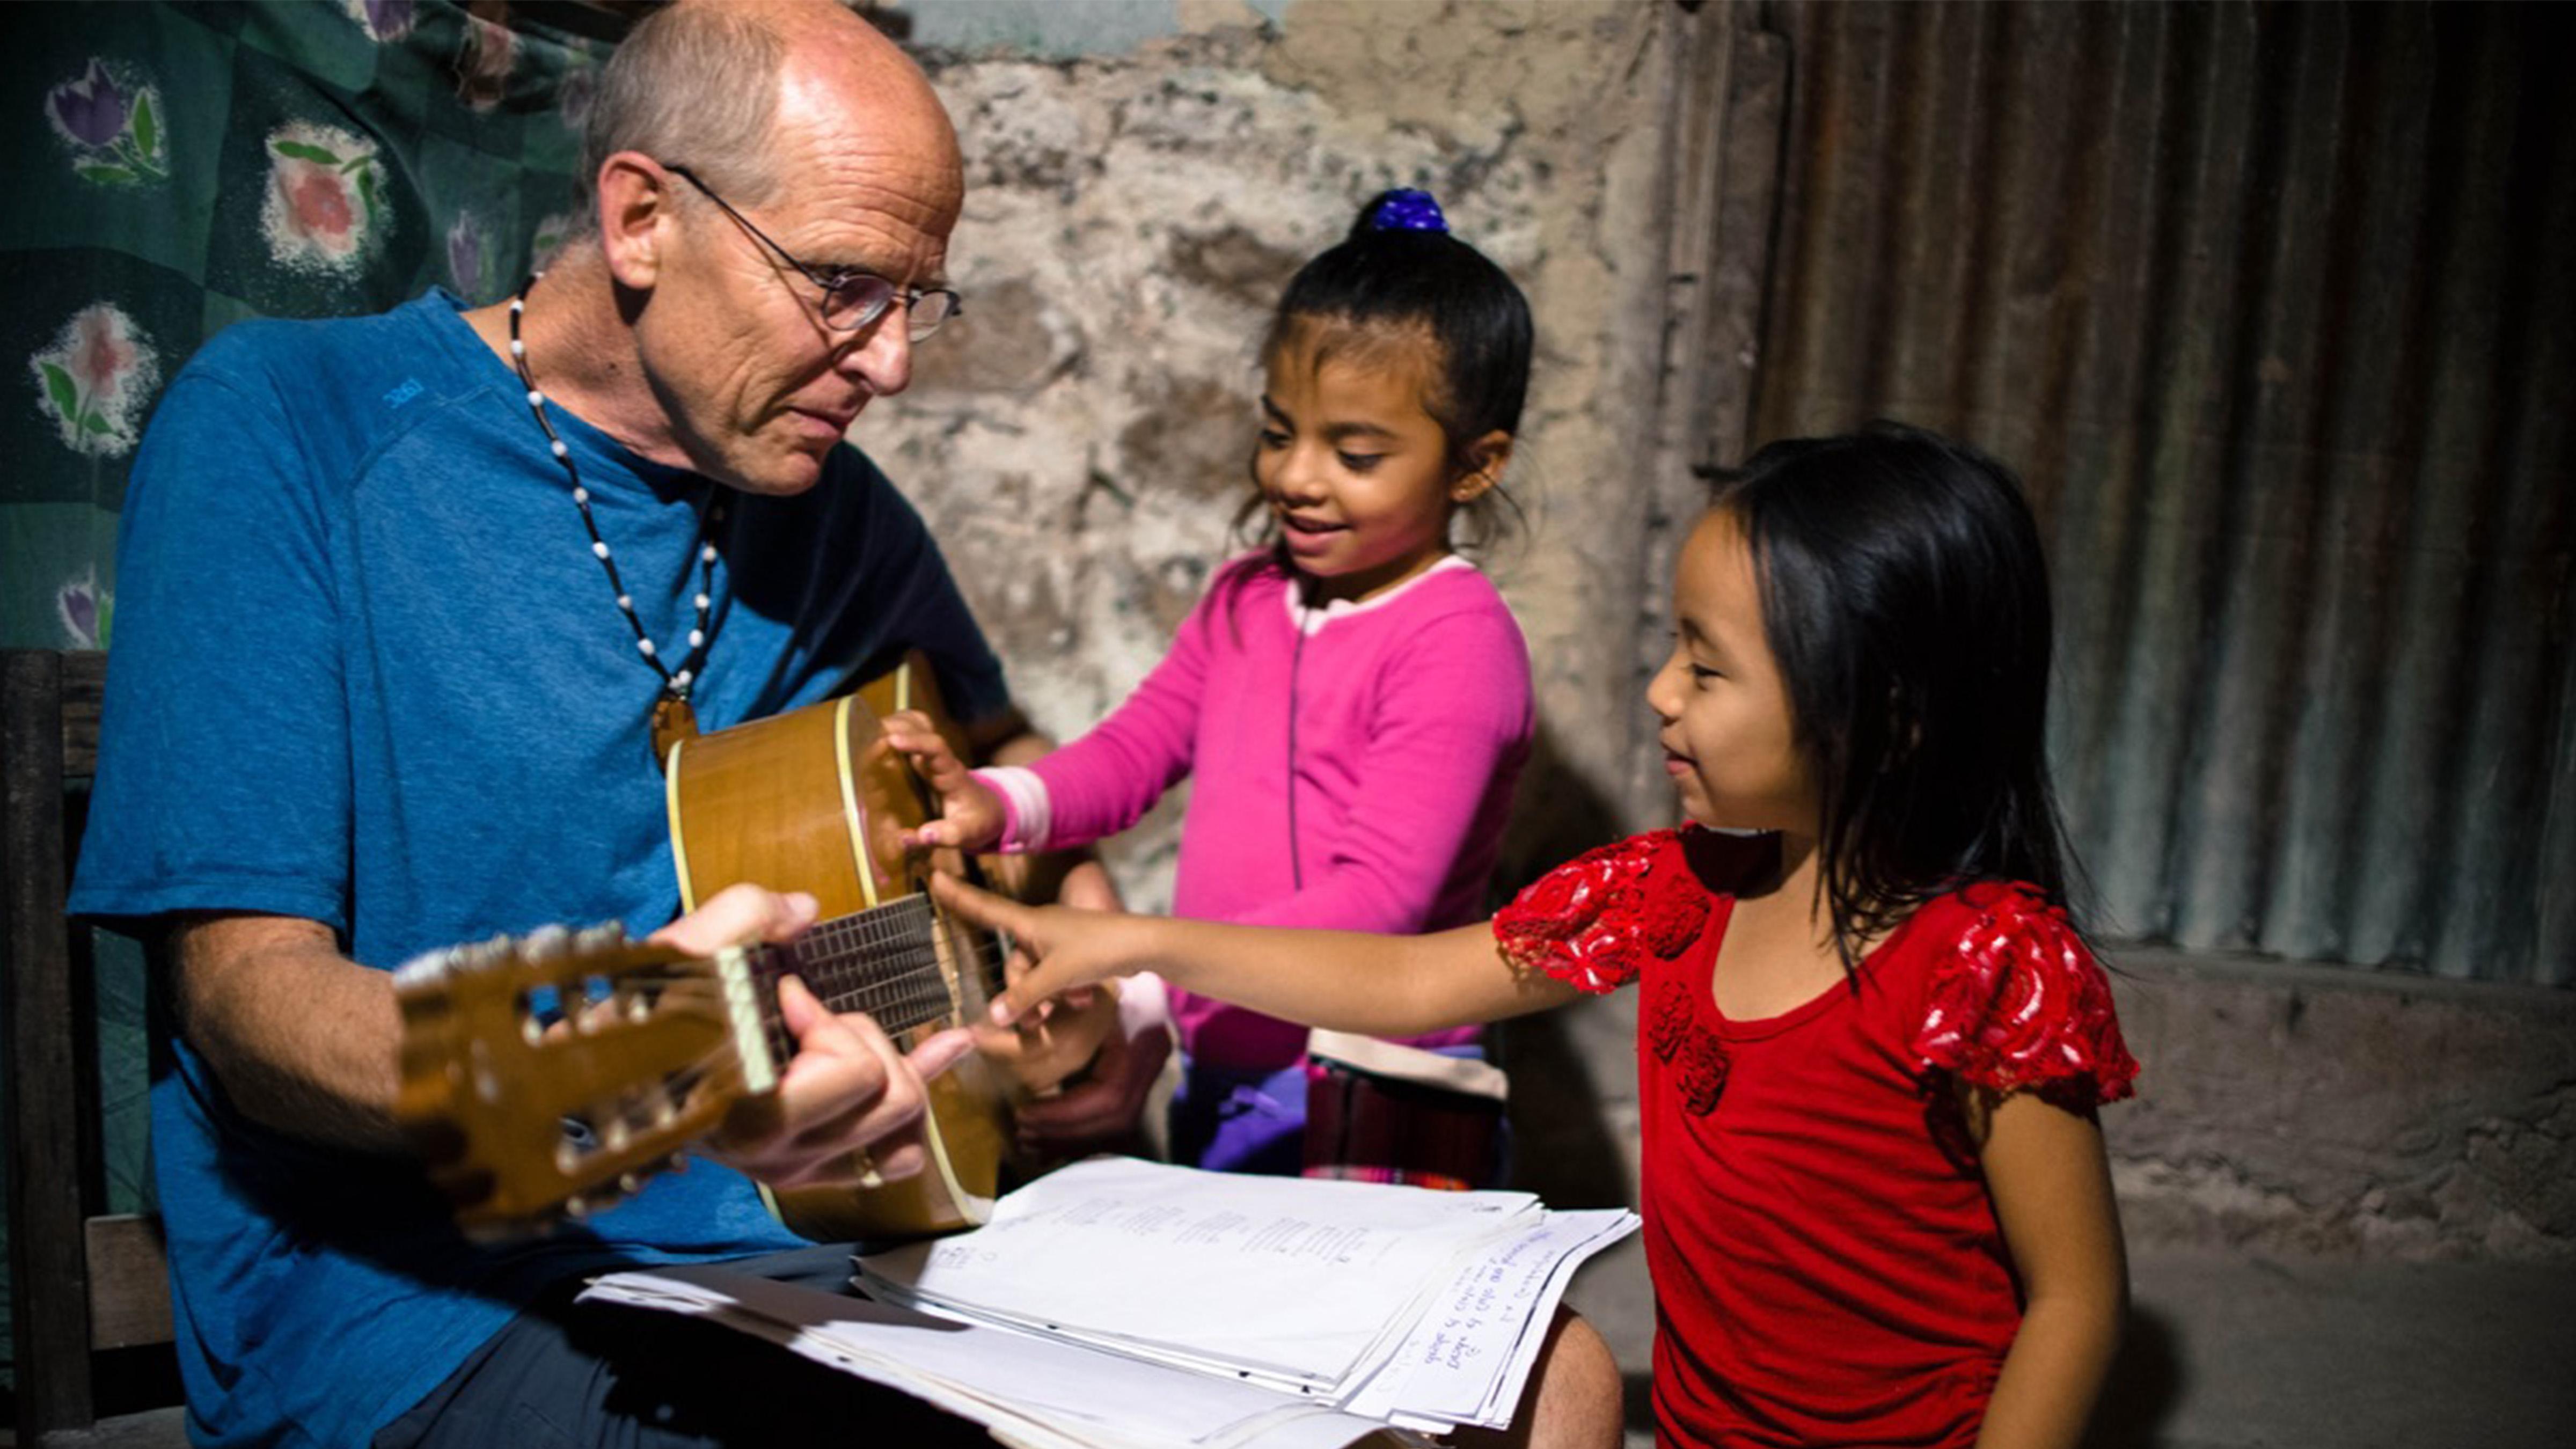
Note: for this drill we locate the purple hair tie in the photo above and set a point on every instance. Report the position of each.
(1408, 211)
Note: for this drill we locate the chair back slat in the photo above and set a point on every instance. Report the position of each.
(83, 1281)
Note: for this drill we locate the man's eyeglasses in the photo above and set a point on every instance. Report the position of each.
(851, 298)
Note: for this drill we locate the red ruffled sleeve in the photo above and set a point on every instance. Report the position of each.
(1592, 922)
(2018, 1002)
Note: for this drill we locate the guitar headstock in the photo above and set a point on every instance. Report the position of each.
(548, 1076)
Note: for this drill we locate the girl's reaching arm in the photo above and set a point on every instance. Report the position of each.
(1341, 980)
(2052, 1190)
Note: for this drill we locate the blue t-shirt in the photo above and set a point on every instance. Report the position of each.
(368, 672)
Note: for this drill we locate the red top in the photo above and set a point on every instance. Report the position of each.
(1827, 1265)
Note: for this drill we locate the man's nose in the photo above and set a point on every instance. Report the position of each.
(882, 356)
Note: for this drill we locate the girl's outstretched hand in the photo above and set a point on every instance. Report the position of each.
(1065, 948)
(970, 814)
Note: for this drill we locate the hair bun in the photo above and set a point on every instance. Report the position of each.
(1403, 210)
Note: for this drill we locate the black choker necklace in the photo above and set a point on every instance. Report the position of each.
(673, 719)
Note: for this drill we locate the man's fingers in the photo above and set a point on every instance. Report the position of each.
(1107, 1105)
(1093, 1109)
(847, 1084)
(895, 1156)
(740, 913)
(938, 1053)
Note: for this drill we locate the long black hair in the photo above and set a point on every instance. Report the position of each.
(1399, 271)
(1905, 598)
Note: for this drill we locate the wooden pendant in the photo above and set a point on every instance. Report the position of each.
(673, 721)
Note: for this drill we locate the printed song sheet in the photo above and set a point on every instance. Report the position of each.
(1117, 1249)
(1119, 1303)
(1027, 1391)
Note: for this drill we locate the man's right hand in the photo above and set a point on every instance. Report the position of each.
(1102, 1109)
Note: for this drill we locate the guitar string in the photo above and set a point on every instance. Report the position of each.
(883, 961)
(887, 951)
(880, 965)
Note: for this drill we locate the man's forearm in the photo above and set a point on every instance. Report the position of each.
(304, 1040)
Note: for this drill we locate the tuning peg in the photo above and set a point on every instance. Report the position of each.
(601, 936)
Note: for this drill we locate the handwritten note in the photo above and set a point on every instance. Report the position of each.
(1459, 1359)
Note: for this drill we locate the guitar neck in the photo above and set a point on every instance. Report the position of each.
(885, 961)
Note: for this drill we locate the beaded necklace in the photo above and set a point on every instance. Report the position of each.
(673, 719)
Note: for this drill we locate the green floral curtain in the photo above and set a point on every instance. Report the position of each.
(175, 168)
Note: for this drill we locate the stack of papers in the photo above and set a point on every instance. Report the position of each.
(1130, 1304)
(1422, 1309)
(1030, 1393)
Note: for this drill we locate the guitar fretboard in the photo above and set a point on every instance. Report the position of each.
(883, 961)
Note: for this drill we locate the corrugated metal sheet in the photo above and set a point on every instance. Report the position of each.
(2270, 304)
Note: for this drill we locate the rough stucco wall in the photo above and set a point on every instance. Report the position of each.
(1078, 444)
(2310, 1109)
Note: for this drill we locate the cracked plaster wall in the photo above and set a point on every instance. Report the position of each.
(1079, 443)
(2319, 1110)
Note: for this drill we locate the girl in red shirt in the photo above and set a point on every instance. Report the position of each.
(1877, 1206)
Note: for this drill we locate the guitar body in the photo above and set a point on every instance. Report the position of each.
(813, 800)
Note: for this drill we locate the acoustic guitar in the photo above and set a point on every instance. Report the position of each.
(548, 1076)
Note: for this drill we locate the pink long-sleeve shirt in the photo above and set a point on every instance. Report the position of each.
(1412, 719)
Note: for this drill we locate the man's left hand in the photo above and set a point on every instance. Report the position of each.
(849, 1102)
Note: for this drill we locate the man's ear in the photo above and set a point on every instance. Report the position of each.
(634, 209)
(1491, 454)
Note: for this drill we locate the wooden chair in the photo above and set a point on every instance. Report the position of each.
(92, 1296)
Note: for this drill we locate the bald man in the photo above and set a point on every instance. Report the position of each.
(405, 601)
(377, 691)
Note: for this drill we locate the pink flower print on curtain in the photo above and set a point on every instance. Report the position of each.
(112, 120)
(325, 209)
(96, 379)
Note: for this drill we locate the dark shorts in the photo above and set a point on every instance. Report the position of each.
(604, 1376)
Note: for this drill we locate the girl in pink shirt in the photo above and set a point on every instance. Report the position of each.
(1352, 700)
